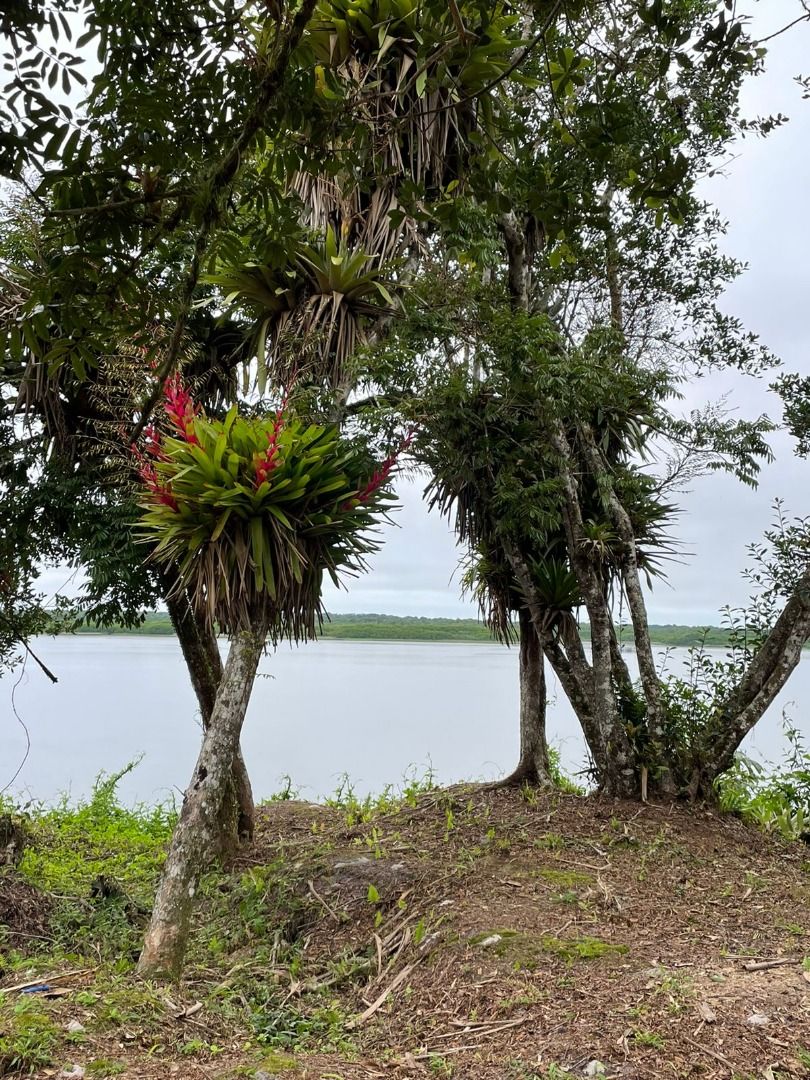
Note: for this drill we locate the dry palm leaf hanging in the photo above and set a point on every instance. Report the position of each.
(413, 82)
(311, 314)
(415, 77)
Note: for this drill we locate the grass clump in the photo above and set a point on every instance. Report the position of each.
(284, 1026)
(275, 1062)
(561, 780)
(774, 800)
(28, 1037)
(71, 846)
(649, 1039)
(359, 811)
(549, 842)
(99, 862)
(564, 879)
(528, 952)
(583, 948)
(103, 1067)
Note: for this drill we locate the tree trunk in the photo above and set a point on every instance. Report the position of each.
(532, 767)
(196, 837)
(612, 751)
(773, 664)
(201, 654)
(648, 673)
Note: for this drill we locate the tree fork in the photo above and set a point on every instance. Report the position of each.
(201, 653)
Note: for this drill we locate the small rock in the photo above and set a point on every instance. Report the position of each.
(75, 1027)
(428, 942)
(493, 939)
(76, 1072)
(595, 1068)
(758, 1020)
(706, 1013)
(353, 863)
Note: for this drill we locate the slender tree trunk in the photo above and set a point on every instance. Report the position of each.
(532, 767)
(201, 654)
(566, 657)
(777, 658)
(657, 751)
(612, 751)
(196, 837)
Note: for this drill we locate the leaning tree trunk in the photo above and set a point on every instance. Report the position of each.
(196, 837)
(532, 767)
(201, 654)
(769, 670)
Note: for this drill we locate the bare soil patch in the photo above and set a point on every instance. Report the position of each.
(487, 934)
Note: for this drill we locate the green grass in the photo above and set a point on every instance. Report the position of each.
(28, 1038)
(99, 862)
(527, 951)
(77, 844)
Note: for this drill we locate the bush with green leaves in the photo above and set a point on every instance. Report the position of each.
(73, 844)
(777, 800)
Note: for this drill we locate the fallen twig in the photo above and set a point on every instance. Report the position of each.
(46, 979)
(330, 910)
(712, 1053)
(395, 983)
(763, 965)
(427, 1054)
(482, 1029)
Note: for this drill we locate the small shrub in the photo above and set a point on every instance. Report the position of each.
(775, 800)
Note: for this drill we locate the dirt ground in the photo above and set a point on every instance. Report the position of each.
(485, 935)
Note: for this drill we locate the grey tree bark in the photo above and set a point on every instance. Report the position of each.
(201, 653)
(631, 581)
(532, 767)
(196, 836)
(600, 686)
(767, 674)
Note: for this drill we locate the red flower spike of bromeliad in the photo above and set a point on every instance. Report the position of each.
(148, 473)
(151, 443)
(269, 460)
(180, 408)
(381, 474)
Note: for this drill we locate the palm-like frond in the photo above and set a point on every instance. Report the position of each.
(557, 588)
(492, 584)
(413, 81)
(414, 77)
(312, 312)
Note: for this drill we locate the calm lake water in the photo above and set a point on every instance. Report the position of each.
(372, 710)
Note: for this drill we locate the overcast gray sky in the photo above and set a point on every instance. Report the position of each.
(764, 195)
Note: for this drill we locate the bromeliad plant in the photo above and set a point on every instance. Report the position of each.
(253, 511)
(321, 300)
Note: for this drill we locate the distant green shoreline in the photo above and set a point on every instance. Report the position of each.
(371, 627)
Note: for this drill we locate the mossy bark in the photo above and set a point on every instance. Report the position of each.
(197, 835)
(201, 654)
(532, 767)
